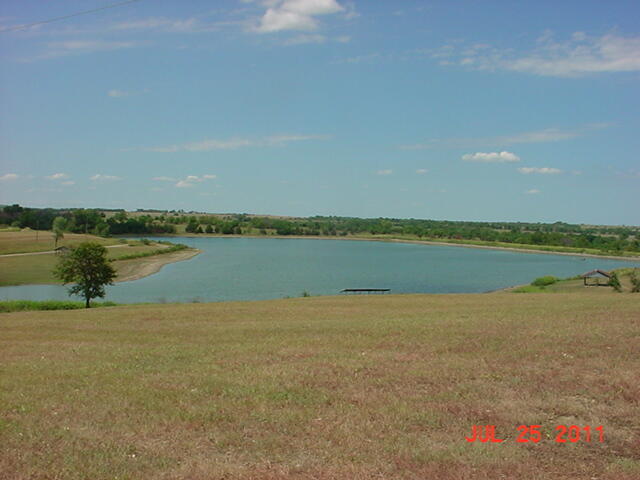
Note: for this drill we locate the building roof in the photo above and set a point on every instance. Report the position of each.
(596, 272)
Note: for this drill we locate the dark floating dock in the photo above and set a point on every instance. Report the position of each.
(358, 291)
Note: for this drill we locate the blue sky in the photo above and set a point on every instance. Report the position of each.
(465, 110)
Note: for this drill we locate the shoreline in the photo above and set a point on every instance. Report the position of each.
(400, 240)
(138, 268)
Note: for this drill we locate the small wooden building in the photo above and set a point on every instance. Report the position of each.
(592, 278)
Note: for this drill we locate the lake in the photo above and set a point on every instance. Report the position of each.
(265, 268)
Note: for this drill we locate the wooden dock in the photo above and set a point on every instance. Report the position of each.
(358, 291)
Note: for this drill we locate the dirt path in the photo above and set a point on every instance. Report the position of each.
(137, 268)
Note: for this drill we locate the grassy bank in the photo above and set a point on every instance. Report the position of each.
(166, 248)
(127, 257)
(326, 387)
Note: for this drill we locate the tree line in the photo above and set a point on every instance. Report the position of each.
(119, 222)
(82, 220)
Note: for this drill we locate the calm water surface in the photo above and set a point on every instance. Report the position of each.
(257, 269)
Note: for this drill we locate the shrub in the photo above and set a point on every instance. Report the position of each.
(614, 282)
(544, 281)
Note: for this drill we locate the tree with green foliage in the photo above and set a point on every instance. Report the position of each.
(208, 229)
(58, 226)
(192, 226)
(614, 282)
(635, 280)
(88, 268)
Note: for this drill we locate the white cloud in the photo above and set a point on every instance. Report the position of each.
(384, 172)
(492, 157)
(577, 56)
(368, 58)
(167, 25)
(202, 146)
(99, 177)
(164, 179)
(537, 136)
(58, 176)
(580, 56)
(118, 93)
(533, 191)
(68, 183)
(317, 38)
(421, 171)
(234, 143)
(284, 139)
(73, 47)
(540, 136)
(541, 170)
(184, 184)
(8, 177)
(115, 93)
(305, 38)
(191, 180)
(285, 15)
(207, 145)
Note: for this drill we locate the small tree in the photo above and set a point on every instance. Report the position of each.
(88, 268)
(208, 229)
(614, 282)
(192, 226)
(59, 224)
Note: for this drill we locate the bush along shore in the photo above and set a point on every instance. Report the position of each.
(171, 247)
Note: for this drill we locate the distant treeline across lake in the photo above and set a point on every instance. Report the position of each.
(239, 268)
(561, 236)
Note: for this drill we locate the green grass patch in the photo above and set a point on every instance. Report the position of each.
(173, 247)
(529, 289)
(30, 305)
(544, 281)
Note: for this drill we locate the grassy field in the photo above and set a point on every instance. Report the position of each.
(28, 241)
(37, 269)
(322, 387)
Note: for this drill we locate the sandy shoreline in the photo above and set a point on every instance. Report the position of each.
(137, 268)
(419, 242)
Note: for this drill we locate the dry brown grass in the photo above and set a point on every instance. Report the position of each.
(322, 388)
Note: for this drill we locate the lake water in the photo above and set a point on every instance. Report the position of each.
(264, 268)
